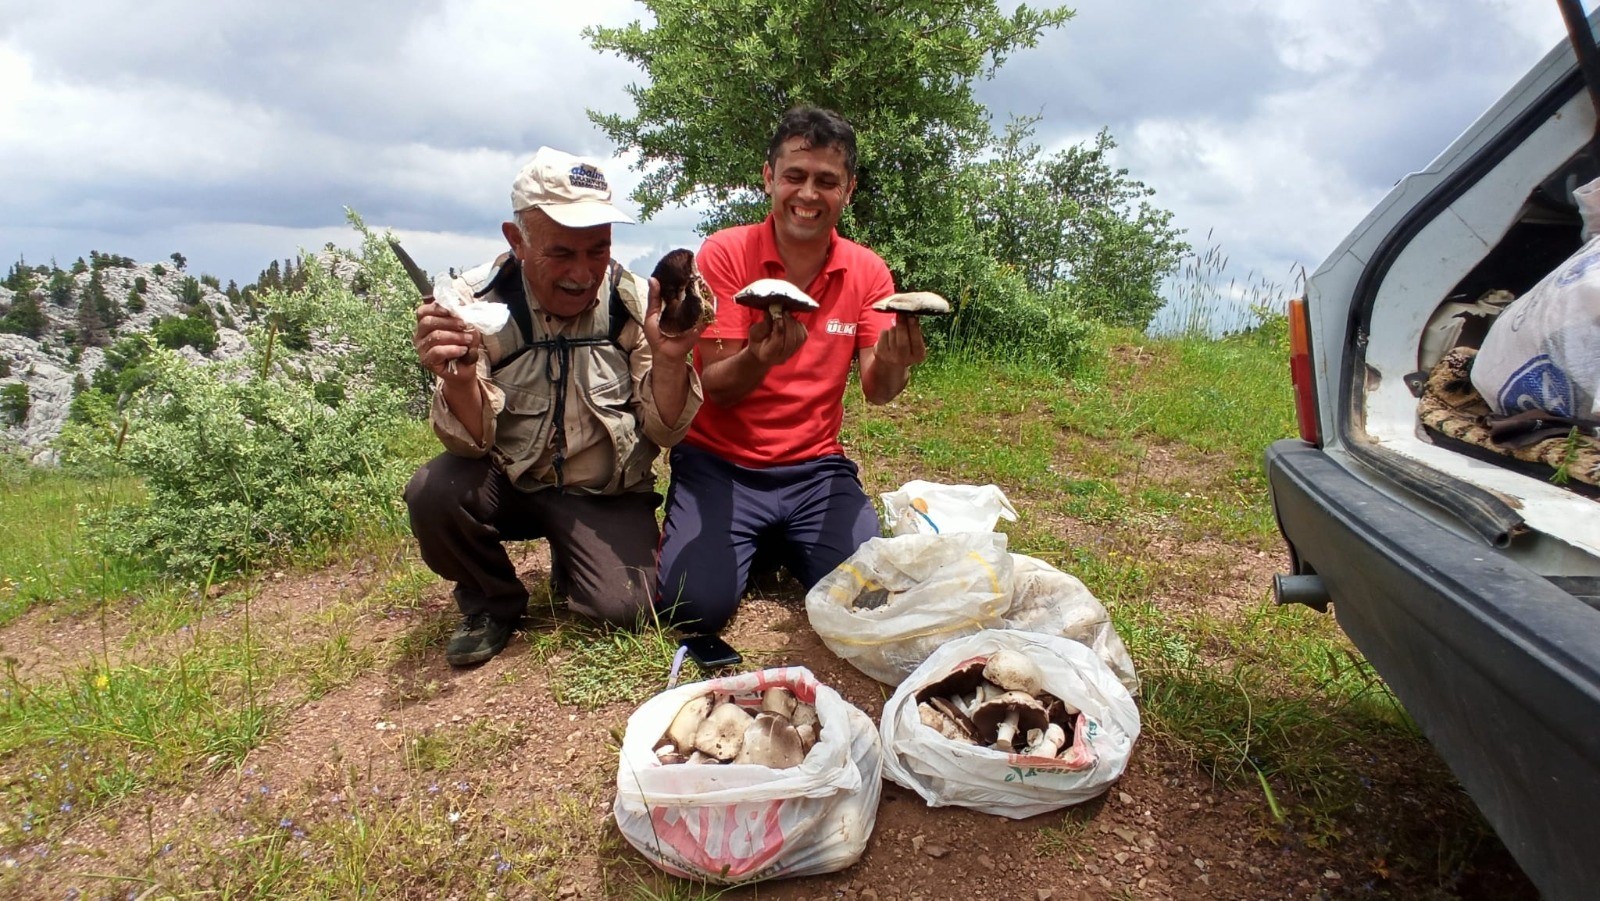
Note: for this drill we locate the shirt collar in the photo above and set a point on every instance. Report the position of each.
(772, 264)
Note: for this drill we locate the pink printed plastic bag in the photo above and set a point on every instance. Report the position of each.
(737, 823)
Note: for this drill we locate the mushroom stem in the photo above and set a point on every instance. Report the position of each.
(776, 309)
(1004, 732)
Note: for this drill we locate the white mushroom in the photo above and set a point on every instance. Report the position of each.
(998, 721)
(722, 733)
(1045, 742)
(808, 736)
(804, 715)
(775, 296)
(687, 723)
(1013, 671)
(771, 741)
(779, 700)
(917, 303)
(936, 720)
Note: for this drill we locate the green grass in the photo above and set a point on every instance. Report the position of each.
(1140, 474)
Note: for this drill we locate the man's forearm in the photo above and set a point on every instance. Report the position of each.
(882, 381)
(669, 385)
(465, 400)
(730, 380)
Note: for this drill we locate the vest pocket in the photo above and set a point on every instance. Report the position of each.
(523, 428)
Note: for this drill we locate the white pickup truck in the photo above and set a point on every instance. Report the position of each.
(1470, 580)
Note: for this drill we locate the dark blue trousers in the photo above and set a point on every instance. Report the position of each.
(808, 516)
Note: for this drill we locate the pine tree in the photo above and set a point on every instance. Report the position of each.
(61, 286)
(24, 318)
(92, 331)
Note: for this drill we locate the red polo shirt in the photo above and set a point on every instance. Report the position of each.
(795, 413)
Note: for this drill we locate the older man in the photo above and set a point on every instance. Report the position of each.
(551, 423)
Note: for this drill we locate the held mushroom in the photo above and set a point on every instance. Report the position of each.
(776, 296)
(771, 741)
(999, 720)
(1013, 671)
(687, 723)
(917, 303)
(685, 299)
(722, 733)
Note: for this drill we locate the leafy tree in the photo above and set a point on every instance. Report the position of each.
(24, 318)
(14, 403)
(721, 73)
(1074, 227)
(180, 261)
(80, 267)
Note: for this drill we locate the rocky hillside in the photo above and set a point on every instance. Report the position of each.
(49, 366)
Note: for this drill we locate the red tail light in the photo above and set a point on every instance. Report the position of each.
(1305, 384)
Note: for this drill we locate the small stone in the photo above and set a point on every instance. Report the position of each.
(986, 861)
(1124, 797)
(916, 842)
(1043, 894)
(1199, 864)
(1121, 856)
(1331, 875)
(935, 851)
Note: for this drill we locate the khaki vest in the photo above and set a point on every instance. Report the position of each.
(533, 371)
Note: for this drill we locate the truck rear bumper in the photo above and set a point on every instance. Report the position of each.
(1500, 668)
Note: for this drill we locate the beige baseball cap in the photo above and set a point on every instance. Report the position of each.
(571, 190)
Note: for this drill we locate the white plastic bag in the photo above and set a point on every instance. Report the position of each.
(1543, 351)
(737, 823)
(895, 600)
(949, 773)
(930, 508)
(1045, 599)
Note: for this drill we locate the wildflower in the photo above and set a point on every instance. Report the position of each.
(102, 681)
(285, 823)
(454, 816)
(66, 806)
(504, 867)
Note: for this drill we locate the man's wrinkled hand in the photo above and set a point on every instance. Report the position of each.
(902, 345)
(441, 339)
(663, 346)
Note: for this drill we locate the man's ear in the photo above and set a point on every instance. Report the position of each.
(513, 237)
(849, 190)
(766, 178)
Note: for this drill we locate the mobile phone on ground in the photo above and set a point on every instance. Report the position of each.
(710, 652)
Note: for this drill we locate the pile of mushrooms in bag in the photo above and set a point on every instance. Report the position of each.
(713, 728)
(999, 703)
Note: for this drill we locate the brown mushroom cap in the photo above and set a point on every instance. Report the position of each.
(771, 741)
(685, 300)
(962, 681)
(779, 700)
(722, 733)
(764, 293)
(962, 721)
(988, 717)
(918, 303)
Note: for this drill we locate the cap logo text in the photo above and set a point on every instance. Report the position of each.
(587, 176)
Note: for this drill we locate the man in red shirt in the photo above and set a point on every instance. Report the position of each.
(761, 466)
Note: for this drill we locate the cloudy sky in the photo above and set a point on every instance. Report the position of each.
(237, 132)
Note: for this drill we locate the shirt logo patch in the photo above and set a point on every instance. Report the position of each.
(835, 327)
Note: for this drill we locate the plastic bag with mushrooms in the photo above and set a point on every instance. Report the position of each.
(1011, 723)
(815, 807)
(895, 600)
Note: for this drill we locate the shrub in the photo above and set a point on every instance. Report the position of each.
(173, 332)
(5, 368)
(14, 403)
(248, 460)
